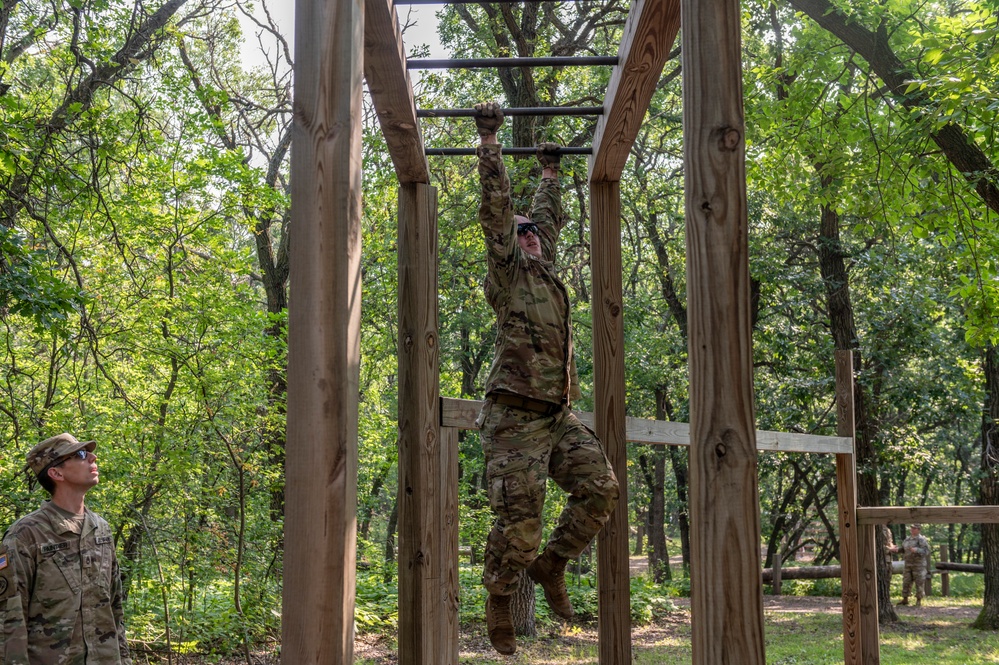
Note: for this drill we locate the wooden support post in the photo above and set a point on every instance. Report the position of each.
(944, 575)
(421, 498)
(324, 321)
(449, 547)
(726, 585)
(613, 572)
(846, 494)
(870, 633)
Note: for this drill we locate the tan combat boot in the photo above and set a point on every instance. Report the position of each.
(500, 625)
(919, 602)
(548, 570)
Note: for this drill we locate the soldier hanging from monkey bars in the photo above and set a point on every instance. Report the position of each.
(528, 431)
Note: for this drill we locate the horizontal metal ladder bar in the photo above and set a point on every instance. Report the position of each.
(549, 61)
(468, 2)
(521, 110)
(449, 152)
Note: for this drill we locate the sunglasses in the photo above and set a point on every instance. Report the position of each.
(81, 454)
(526, 227)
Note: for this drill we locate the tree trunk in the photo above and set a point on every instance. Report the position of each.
(390, 530)
(988, 618)
(658, 554)
(522, 607)
(832, 265)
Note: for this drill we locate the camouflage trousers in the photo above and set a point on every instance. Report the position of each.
(913, 575)
(522, 450)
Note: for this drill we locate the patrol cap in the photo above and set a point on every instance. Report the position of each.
(54, 449)
(916, 526)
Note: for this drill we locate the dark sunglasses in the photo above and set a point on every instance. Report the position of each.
(81, 453)
(523, 229)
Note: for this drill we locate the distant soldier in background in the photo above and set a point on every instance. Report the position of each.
(916, 555)
(889, 545)
(60, 591)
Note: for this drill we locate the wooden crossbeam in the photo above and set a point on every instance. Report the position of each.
(648, 36)
(461, 413)
(392, 92)
(928, 515)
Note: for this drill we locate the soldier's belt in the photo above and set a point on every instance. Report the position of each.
(526, 403)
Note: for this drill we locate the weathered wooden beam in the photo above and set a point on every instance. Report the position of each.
(421, 459)
(461, 413)
(392, 92)
(929, 515)
(846, 500)
(324, 325)
(613, 565)
(960, 567)
(726, 591)
(648, 36)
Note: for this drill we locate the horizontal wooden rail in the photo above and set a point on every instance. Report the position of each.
(461, 413)
(537, 111)
(480, 63)
(960, 567)
(928, 514)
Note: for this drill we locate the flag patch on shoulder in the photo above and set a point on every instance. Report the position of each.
(3, 561)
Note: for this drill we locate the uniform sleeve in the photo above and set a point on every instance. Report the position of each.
(546, 212)
(15, 571)
(119, 613)
(496, 215)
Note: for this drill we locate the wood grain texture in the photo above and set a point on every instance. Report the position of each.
(392, 92)
(461, 413)
(449, 585)
(929, 515)
(648, 36)
(613, 571)
(323, 335)
(846, 495)
(421, 495)
(726, 587)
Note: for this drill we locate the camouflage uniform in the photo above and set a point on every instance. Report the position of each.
(60, 591)
(916, 563)
(889, 544)
(533, 359)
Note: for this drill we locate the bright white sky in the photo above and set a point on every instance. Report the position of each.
(424, 32)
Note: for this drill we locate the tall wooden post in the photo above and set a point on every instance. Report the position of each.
(846, 493)
(324, 320)
(613, 575)
(726, 585)
(422, 607)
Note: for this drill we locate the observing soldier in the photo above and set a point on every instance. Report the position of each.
(528, 431)
(889, 545)
(915, 552)
(60, 592)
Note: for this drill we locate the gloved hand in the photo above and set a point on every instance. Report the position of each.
(488, 118)
(548, 155)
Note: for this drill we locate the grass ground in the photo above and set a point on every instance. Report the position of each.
(798, 631)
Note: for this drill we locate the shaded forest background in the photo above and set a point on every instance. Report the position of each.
(144, 230)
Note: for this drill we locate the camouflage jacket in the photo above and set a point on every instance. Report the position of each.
(61, 598)
(922, 554)
(889, 542)
(533, 353)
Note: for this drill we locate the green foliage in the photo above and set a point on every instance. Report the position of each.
(138, 228)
